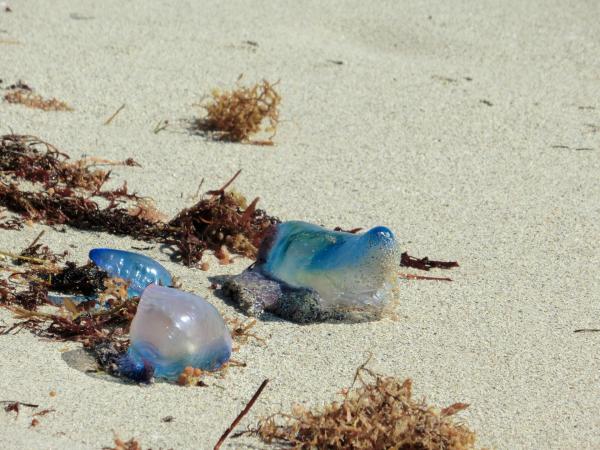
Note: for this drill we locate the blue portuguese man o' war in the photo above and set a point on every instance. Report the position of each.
(172, 330)
(138, 270)
(306, 273)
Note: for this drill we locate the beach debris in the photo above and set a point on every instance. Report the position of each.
(307, 273)
(167, 419)
(43, 412)
(25, 157)
(240, 331)
(137, 269)
(191, 376)
(86, 280)
(120, 444)
(221, 218)
(113, 115)
(412, 276)
(378, 413)
(66, 197)
(172, 330)
(77, 16)
(241, 415)
(15, 406)
(238, 114)
(425, 263)
(23, 94)
(160, 126)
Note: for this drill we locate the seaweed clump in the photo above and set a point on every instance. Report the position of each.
(380, 413)
(32, 159)
(220, 221)
(67, 193)
(20, 93)
(237, 114)
(120, 444)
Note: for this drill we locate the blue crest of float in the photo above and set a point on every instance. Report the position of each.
(172, 330)
(138, 270)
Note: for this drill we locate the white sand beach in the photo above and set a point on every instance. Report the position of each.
(469, 128)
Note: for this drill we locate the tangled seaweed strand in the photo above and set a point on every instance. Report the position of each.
(237, 114)
(82, 322)
(219, 220)
(425, 263)
(22, 94)
(379, 414)
(30, 158)
(120, 444)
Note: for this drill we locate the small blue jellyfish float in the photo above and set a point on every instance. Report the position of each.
(138, 270)
(172, 330)
(306, 273)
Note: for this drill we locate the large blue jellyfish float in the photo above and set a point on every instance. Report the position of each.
(172, 330)
(306, 273)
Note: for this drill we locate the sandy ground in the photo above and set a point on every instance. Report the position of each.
(469, 128)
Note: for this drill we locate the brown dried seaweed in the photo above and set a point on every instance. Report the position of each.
(36, 252)
(30, 299)
(18, 94)
(120, 444)
(64, 206)
(30, 158)
(221, 218)
(425, 263)
(221, 221)
(380, 413)
(237, 114)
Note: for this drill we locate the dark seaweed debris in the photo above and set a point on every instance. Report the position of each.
(85, 280)
(81, 322)
(30, 299)
(30, 158)
(220, 221)
(425, 263)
